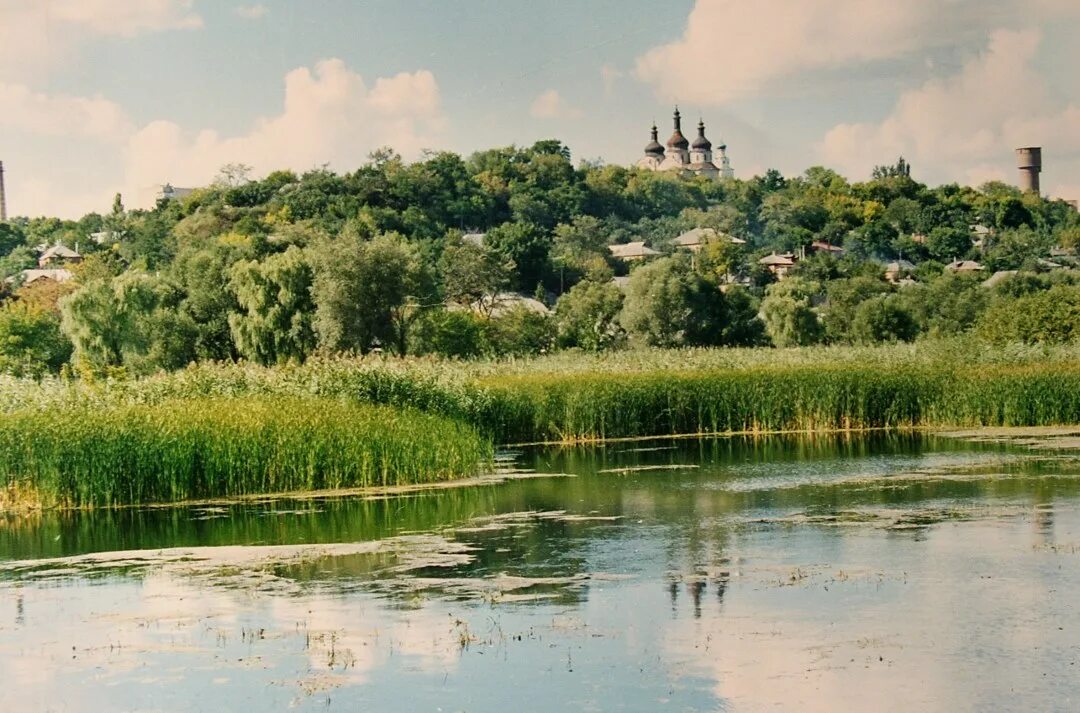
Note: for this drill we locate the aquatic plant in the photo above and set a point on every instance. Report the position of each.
(205, 448)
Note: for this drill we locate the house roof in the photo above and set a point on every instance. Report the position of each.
(775, 260)
(57, 275)
(698, 236)
(964, 266)
(476, 239)
(621, 281)
(632, 250)
(506, 301)
(61, 251)
(899, 266)
(998, 277)
(826, 247)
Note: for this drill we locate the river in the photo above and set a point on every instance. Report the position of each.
(886, 573)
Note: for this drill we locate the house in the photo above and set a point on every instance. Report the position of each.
(503, 302)
(693, 240)
(896, 269)
(476, 239)
(31, 276)
(621, 281)
(778, 265)
(631, 252)
(169, 192)
(59, 254)
(964, 266)
(820, 246)
(998, 277)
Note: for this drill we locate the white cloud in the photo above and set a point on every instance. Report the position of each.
(35, 36)
(126, 18)
(550, 105)
(61, 115)
(330, 116)
(251, 12)
(964, 127)
(610, 74)
(733, 49)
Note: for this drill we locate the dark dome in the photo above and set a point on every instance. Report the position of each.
(701, 143)
(677, 140)
(654, 147)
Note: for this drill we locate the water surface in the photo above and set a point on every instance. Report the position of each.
(884, 573)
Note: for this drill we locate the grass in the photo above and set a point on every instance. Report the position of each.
(204, 448)
(306, 426)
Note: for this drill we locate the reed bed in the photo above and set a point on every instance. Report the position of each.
(234, 429)
(179, 450)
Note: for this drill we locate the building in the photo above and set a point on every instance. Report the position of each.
(60, 254)
(632, 252)
(964, 266)
(28, 277)
(684, 157)
(1029, 166)
(169, 192)
(998, 277)
(476, 239)
(897, 269)
(694, 240)
(778, 265)
(820, 246)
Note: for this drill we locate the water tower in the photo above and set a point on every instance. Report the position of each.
(1029, 161)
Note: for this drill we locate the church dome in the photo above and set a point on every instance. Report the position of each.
(677, 140)
(654, 147)
(701, 143)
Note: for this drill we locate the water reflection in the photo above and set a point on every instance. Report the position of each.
(832, 573)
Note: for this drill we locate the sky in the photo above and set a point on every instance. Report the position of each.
(106, 96)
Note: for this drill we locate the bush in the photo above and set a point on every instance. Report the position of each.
(31, 343)
(1048, 317)
(882, 319)
(587, 317)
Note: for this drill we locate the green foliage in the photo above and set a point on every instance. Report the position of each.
(843, 299)
(456, 334)
(882, 319)
(473, 274)
(31, 343)
(521, 331)
(274, 322)
(789, 317)
(946, 244)
(362, 291)
(1045, 317)
(181, 450)
(127, 321)
(588, 317)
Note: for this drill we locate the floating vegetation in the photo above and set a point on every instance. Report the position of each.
(206, 448)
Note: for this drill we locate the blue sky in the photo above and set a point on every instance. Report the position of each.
(99, 96)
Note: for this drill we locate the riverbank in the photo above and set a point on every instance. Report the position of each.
(224, 430)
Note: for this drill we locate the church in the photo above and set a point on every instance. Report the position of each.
(680, 155)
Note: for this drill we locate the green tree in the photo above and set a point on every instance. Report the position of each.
(946, 244)
(274, 321)
(522, 331)
(668, 304)
(883, 319)
(365, 292)
(790, 319)
(472, 275)
(843, 300)
(588, 316)
(453, 333)
(128, 321)
(1048, 317)
(31, 343)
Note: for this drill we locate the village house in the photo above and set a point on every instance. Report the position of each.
(632, 252)
(59, 254)
(964, 266)
(694, 240)
(778, 265)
